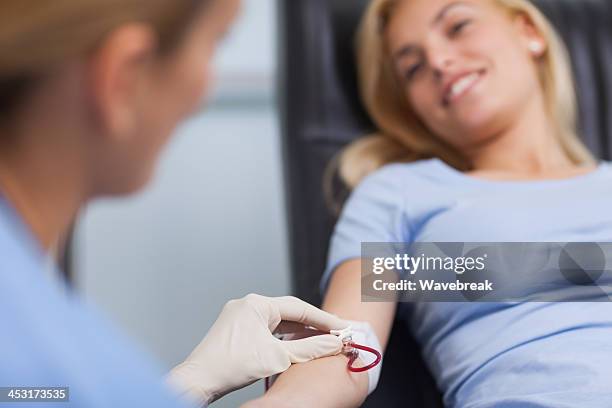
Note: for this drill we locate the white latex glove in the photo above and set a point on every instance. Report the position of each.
(240, 348)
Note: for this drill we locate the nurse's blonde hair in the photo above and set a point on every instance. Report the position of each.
(36, 36)
(400, 135)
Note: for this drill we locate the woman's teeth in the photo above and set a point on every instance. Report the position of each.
(462, 85)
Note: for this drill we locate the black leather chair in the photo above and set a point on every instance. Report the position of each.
(321, 113)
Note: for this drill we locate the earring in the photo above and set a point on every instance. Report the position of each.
(536, 47)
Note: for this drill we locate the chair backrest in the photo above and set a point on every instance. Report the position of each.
(321, 113)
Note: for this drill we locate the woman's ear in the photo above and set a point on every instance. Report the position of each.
(117, 72)
(534, 42)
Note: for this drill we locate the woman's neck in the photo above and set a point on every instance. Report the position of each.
(42, 201)
(528, 146)
(42, 185)
(44, 165)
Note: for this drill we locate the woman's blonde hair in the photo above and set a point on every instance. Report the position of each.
(402, 137)
(38, 35)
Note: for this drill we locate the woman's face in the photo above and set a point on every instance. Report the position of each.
(171, 88)
(467, 68)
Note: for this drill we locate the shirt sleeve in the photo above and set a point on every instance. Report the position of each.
(373, 213)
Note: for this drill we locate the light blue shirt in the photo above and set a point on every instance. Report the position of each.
(494, 354)
(49, 337)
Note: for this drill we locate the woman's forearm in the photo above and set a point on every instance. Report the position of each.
(320, 383)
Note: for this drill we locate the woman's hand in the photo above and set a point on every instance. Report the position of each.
(240, 348)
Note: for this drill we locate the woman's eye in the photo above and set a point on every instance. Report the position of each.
(458, 27)
(412, 71)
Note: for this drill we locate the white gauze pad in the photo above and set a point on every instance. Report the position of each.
(364, 334)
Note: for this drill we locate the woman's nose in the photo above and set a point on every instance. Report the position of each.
(440, 58)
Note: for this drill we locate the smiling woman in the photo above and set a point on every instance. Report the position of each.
(481, 86)
(411, 81)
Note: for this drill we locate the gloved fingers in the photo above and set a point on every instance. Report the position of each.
(296, 310)
(304, 350)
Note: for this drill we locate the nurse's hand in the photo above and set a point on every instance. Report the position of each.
(240, 348)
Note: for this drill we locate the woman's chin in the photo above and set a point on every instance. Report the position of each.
(137, 185)
(125, 187)
(477, 123)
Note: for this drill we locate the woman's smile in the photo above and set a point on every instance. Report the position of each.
(460, 86)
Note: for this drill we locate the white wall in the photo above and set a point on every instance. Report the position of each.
(211, 226)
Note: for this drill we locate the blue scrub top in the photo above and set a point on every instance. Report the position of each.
(493, 354)
(49, 337)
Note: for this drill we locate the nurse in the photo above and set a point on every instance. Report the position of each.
(90, 91)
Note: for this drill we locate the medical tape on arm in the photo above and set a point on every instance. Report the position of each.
(361, 333)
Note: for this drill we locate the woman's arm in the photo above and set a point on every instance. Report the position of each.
(326, 382)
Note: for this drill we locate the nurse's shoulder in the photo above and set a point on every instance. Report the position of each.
(50, 337)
